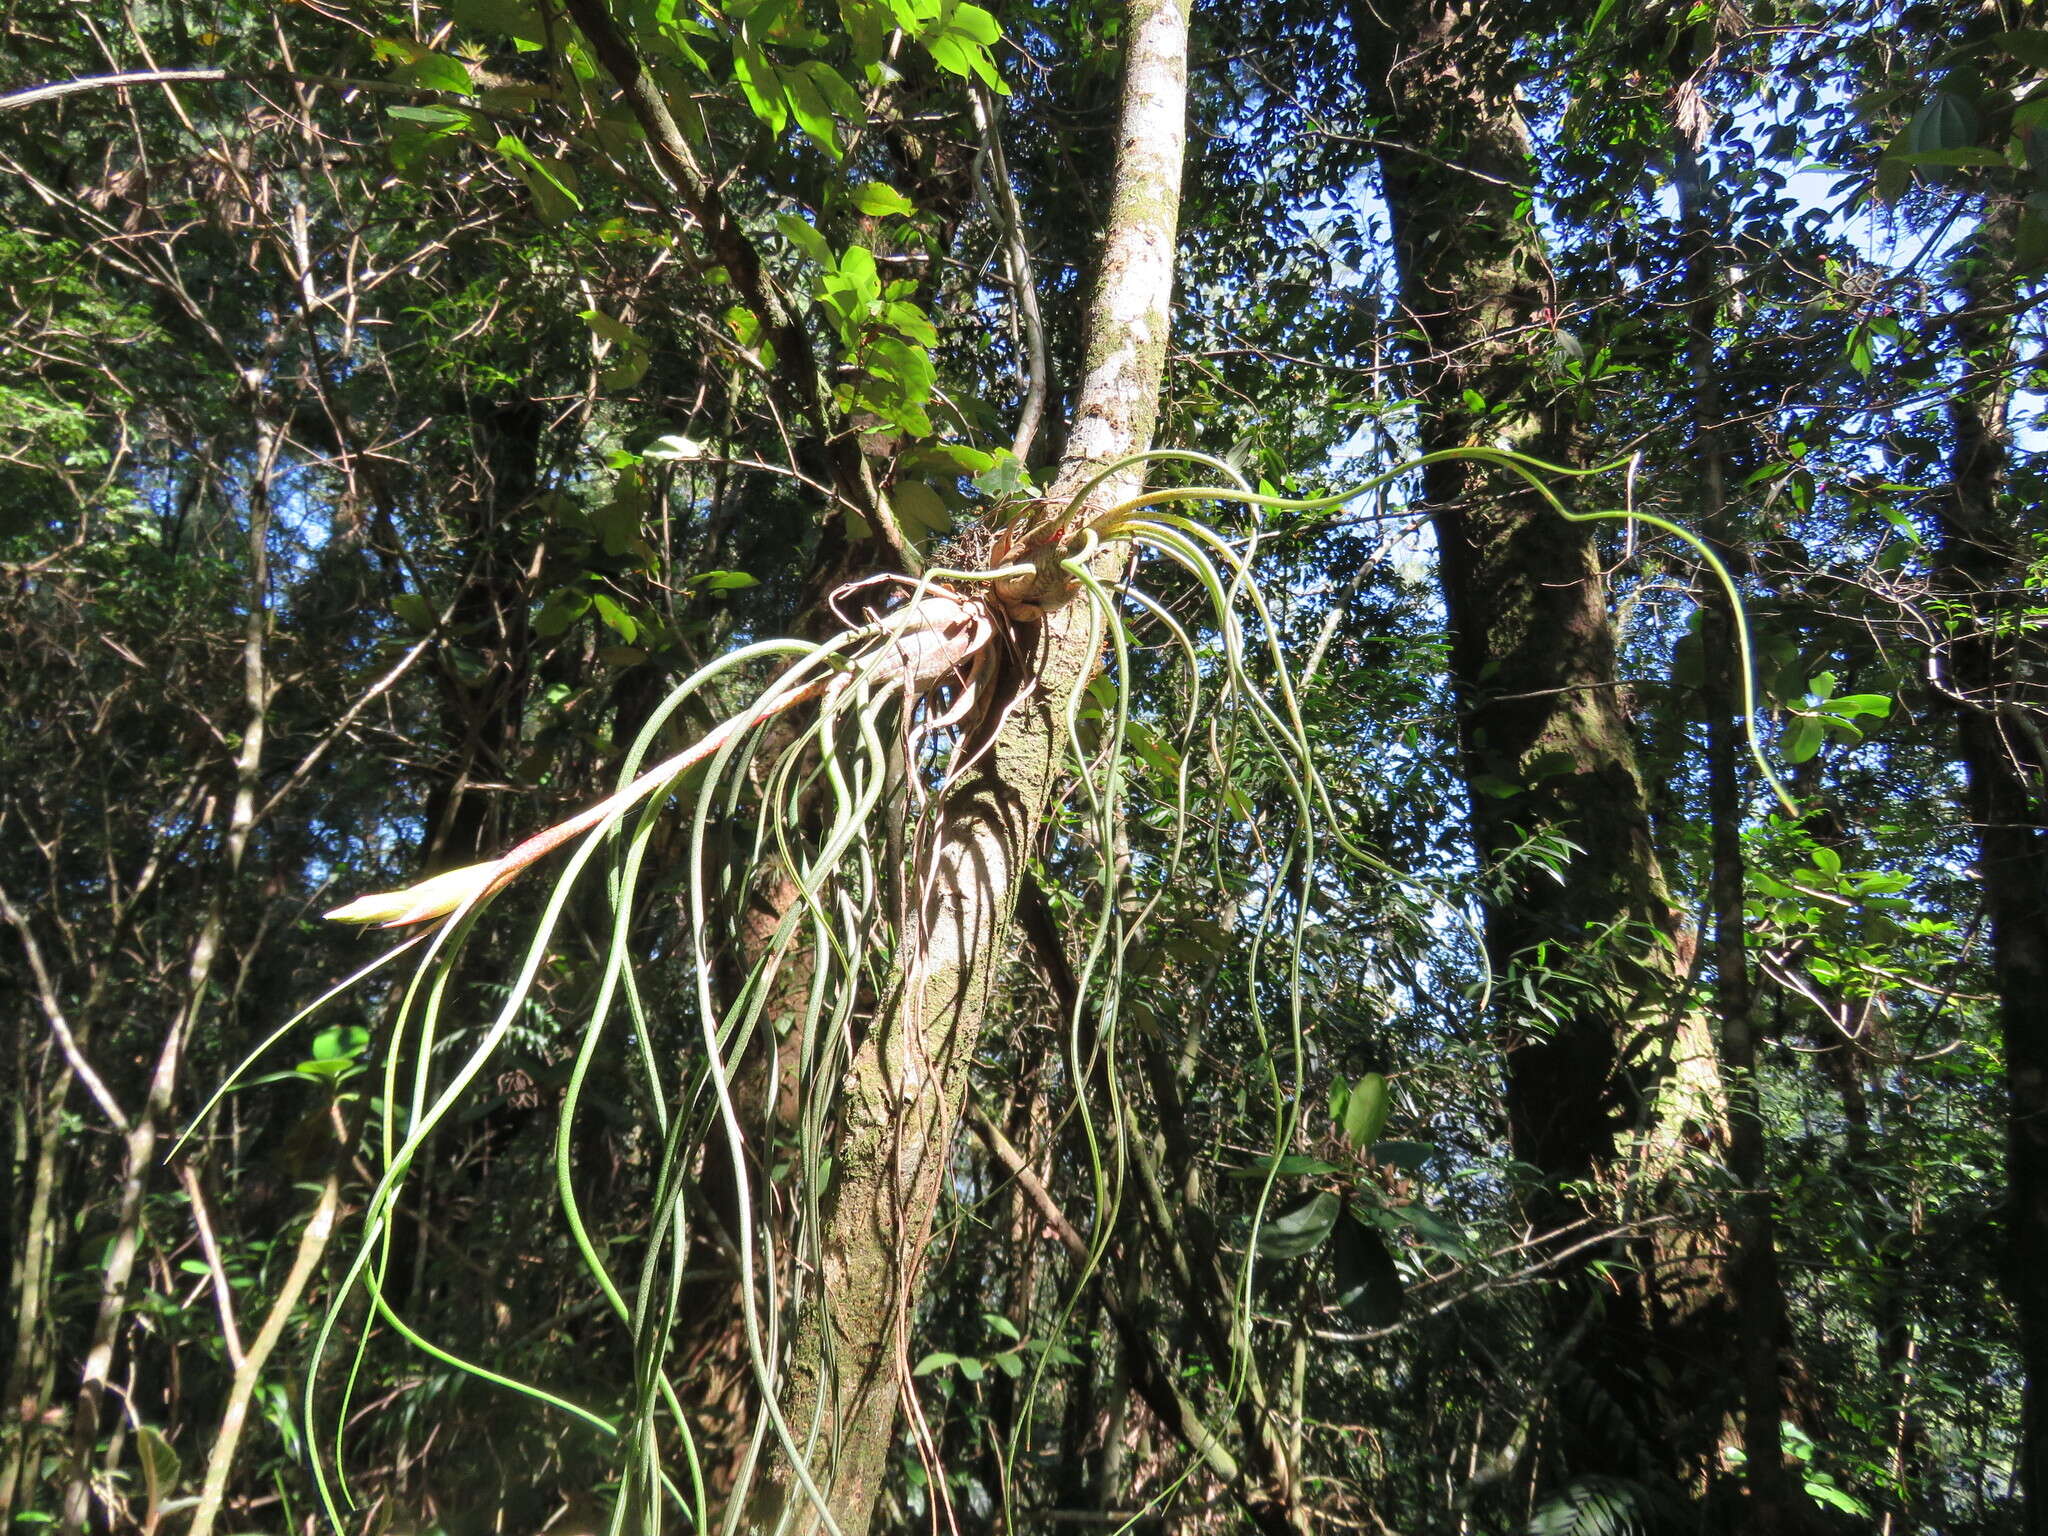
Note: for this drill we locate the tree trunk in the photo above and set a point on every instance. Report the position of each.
(901, 1100)
(1774, 1501)
(29, 1359)
(1993, 672)
(1583, 936)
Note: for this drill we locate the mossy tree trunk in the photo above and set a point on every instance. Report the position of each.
(1609, 1070)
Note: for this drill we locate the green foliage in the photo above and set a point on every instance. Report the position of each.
(407, 308)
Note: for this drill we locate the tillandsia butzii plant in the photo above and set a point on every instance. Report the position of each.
(891, 783)
(817, 766)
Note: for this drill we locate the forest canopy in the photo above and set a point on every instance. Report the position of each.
(913, 765)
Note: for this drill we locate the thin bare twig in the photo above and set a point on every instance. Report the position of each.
(223, 1293)
(53, 1011)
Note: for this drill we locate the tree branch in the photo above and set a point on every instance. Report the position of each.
(53, 1011)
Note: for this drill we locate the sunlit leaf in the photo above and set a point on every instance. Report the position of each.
(880, 200)
(1366, 1109)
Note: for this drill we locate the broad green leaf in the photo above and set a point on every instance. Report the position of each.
(634, 356)
(915, 16)
(440, 117)
(804, 236)
(959, 38)
(722, 581)
(919, 511)
(2029, 47)
(818, 97)
(1368, 1283)
(340, 1042)
(910, 321)
(1408, 1156)
(1802, 739)
(868, 24)
(857, 267)
(2030, 240)
(813, 113)
(1963, 155)
(615, 618)
(675, 446)
(1366, 1109)
(968, 460)
(761, 83)
(160, 1467)
(1154, 750)
(1893, 177)
(1947, 121)
(745, 325)
(1287, 1165)
(971, 22)
(878, 200)
(1857, 353)
(563, 608)
(903, 382)
(1825, 1490)
(611, 330)
(549, 182)
(618, 522)
(1433, 1229)
(1006, 477)
(621, 231)
(905, 365)
(438, 72)
(1301, 1228)
(414, 611)
(840, 96)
